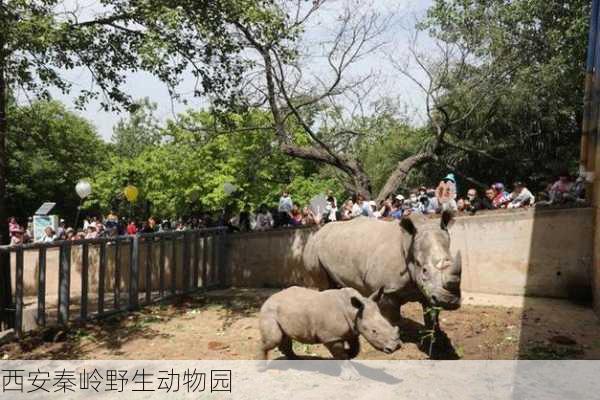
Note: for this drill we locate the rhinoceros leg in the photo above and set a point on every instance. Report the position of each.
(354, 347)
(441, 346)
(338, 350)
(271, 335)
(347, 369)
(286, 347)
(332, 283)
(436, 344)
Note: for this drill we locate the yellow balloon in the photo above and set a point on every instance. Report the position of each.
(131, 193)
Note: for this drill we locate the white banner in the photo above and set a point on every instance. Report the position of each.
(302, 380)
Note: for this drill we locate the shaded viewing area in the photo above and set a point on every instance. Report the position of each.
(535, 260)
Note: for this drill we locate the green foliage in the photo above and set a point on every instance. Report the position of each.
(38, 42)
(522, 99)
(186, 172)
(390, 139)
(530, 55)
(49, 149)
(141, 130)
(41, 39)
(539, 350)
(304, 188)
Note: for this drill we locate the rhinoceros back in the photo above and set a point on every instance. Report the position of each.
(364, 254)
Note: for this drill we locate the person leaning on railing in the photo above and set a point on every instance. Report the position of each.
(16, 232)
(264, 219)
(521, 196)
(49, 235)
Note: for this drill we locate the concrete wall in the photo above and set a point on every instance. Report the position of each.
(526, 252)
(268, 259)
(518, 252)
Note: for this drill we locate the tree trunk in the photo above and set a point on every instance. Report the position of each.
(400, 173)
(319, 152)
(360, 181)
(3, 153)
(5, 286)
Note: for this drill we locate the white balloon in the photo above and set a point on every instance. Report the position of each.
(229, 188)
(83, 189)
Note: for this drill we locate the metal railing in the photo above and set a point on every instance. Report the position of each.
(197, 255)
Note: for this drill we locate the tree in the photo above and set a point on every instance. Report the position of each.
(141, 130)
(185, 173)
(502, 86)
(49, 149)
(396, 139)
(526, 124)
(290, 96)
(39, 39)
(329, 105)
(449, 78)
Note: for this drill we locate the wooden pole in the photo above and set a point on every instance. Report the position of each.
(590, 151)
(594, 112)
(5, 278)
(588, 127)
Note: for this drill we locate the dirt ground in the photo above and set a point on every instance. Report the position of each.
(224, 325)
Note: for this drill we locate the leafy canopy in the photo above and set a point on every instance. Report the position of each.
(527, 124)
(50, 149)
(39, 40)
(187, 170)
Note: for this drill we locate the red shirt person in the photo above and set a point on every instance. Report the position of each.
(131, 228)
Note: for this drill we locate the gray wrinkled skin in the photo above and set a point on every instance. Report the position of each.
(411, 260)
(332, 317)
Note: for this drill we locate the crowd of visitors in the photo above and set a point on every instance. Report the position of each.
(98, 227)
(424, 200)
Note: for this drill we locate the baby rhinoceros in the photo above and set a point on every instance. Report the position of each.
(334, 317)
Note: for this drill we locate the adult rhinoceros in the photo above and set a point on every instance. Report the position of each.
(410, 260)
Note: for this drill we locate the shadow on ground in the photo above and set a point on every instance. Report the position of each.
(237, 304)
(67, 343)
(415, 332)
(223, 325)
(558, 253)
(334, 369)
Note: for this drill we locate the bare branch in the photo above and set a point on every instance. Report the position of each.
(107, 20)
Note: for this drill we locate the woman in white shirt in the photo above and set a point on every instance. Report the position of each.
(48, 236)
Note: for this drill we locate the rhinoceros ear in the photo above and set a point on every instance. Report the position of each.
(357, 303)
(408, 225)
(447, 218)
(376, 295)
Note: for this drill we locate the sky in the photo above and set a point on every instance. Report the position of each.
(403, 14)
